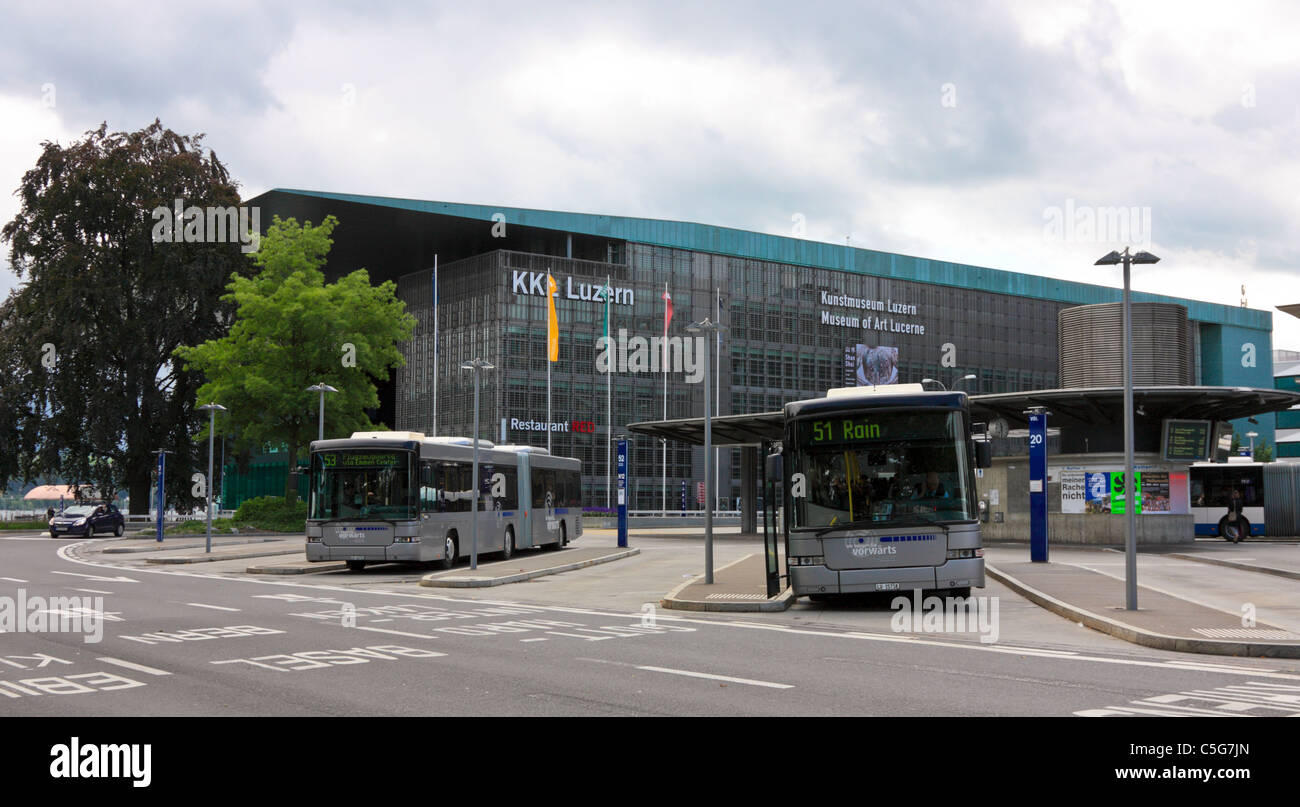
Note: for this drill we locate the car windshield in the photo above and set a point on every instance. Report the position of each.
(79, 510)
(883, 468)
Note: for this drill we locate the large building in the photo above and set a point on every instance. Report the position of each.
(800, 317)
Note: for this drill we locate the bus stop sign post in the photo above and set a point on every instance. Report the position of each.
(162, 499)
(622, 493)
(1038, 486)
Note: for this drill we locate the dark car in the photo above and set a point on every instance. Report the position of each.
(88, 520)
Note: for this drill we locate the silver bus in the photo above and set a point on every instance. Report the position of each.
(879, 485)
(384, 497)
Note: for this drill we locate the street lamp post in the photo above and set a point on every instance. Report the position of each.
(1252, 436)
(478, 366)
(212, 409)
(967, 377)
(322, 388)
(1130, 541)
(707, 326)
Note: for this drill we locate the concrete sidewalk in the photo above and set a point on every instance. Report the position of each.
(196, 554)
(737, 586)
(1167, 620)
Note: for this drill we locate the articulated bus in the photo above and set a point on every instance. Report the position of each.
(383, 497)
(879, 488)
(1212, 488)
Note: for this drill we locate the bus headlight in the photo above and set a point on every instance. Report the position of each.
(407, 539)
(313, 539)
(808, 560)
(964, 554)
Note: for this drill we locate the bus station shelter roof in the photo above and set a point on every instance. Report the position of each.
(1082, 406)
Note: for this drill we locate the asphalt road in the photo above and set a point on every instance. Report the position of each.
(196, 642)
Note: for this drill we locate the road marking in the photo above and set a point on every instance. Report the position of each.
(132, 665)
(92, 590)
(711, 676)
(99, 577)
(213, 607)
(13, 579)
(68, 553)
(532, 640)
(397, 632)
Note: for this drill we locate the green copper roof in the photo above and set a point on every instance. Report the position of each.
(782, 249)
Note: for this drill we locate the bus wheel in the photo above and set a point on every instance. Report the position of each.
(448, 552)
(508, 544)
(356, 565)
(1234, 531)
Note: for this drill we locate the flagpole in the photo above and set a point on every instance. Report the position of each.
(609, 396)
(663, 482)
(717, 395)
(434, 433)
(552, 348)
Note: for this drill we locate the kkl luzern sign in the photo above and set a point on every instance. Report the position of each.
(534, 283)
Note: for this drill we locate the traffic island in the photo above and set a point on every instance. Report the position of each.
(525, 566)
(738, 586)
(1162, 621)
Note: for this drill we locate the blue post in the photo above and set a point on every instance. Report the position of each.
(622, 493)
(683, 498)
(162, 498)
(1038, 487)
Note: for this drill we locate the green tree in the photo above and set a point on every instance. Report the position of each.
(293, 330)
(1263, 451)
(89, 389)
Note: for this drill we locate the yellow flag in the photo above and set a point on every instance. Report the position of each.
(552, 321)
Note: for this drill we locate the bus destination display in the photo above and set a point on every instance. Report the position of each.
(1187, 440)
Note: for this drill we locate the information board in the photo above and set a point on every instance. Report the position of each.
(1186, 440)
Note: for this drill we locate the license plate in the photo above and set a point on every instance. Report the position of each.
(886, 587)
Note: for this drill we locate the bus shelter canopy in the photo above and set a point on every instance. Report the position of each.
(1084, 406)
(728, 430)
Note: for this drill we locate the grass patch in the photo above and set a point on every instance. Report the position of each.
(30, 524)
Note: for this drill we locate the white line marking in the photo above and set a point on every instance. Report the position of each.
(68, 553)
(213, 607)
(532, 640)
(689, 673)
(13, 579)
(398, 633)
(99, 577)
(132, 666)
(92, 591)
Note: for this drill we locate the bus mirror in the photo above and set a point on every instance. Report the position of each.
(773, 468)
(983, 454)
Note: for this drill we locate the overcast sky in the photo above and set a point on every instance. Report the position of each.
(986, 134)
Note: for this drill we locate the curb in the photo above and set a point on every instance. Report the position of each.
(1232, 564)
(461, 581)
(780, 603)
(205, 558)
(128, 550)
(315, 568)
(1128, 633)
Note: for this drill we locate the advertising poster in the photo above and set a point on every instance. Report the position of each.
(1155, 492)
(865, 365)
(1096, 492)
(1073, 492)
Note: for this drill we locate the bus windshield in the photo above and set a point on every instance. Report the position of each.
(362, 485)
(883, 469)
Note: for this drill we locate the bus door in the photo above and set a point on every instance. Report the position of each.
(546, 525)
(524, 528)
